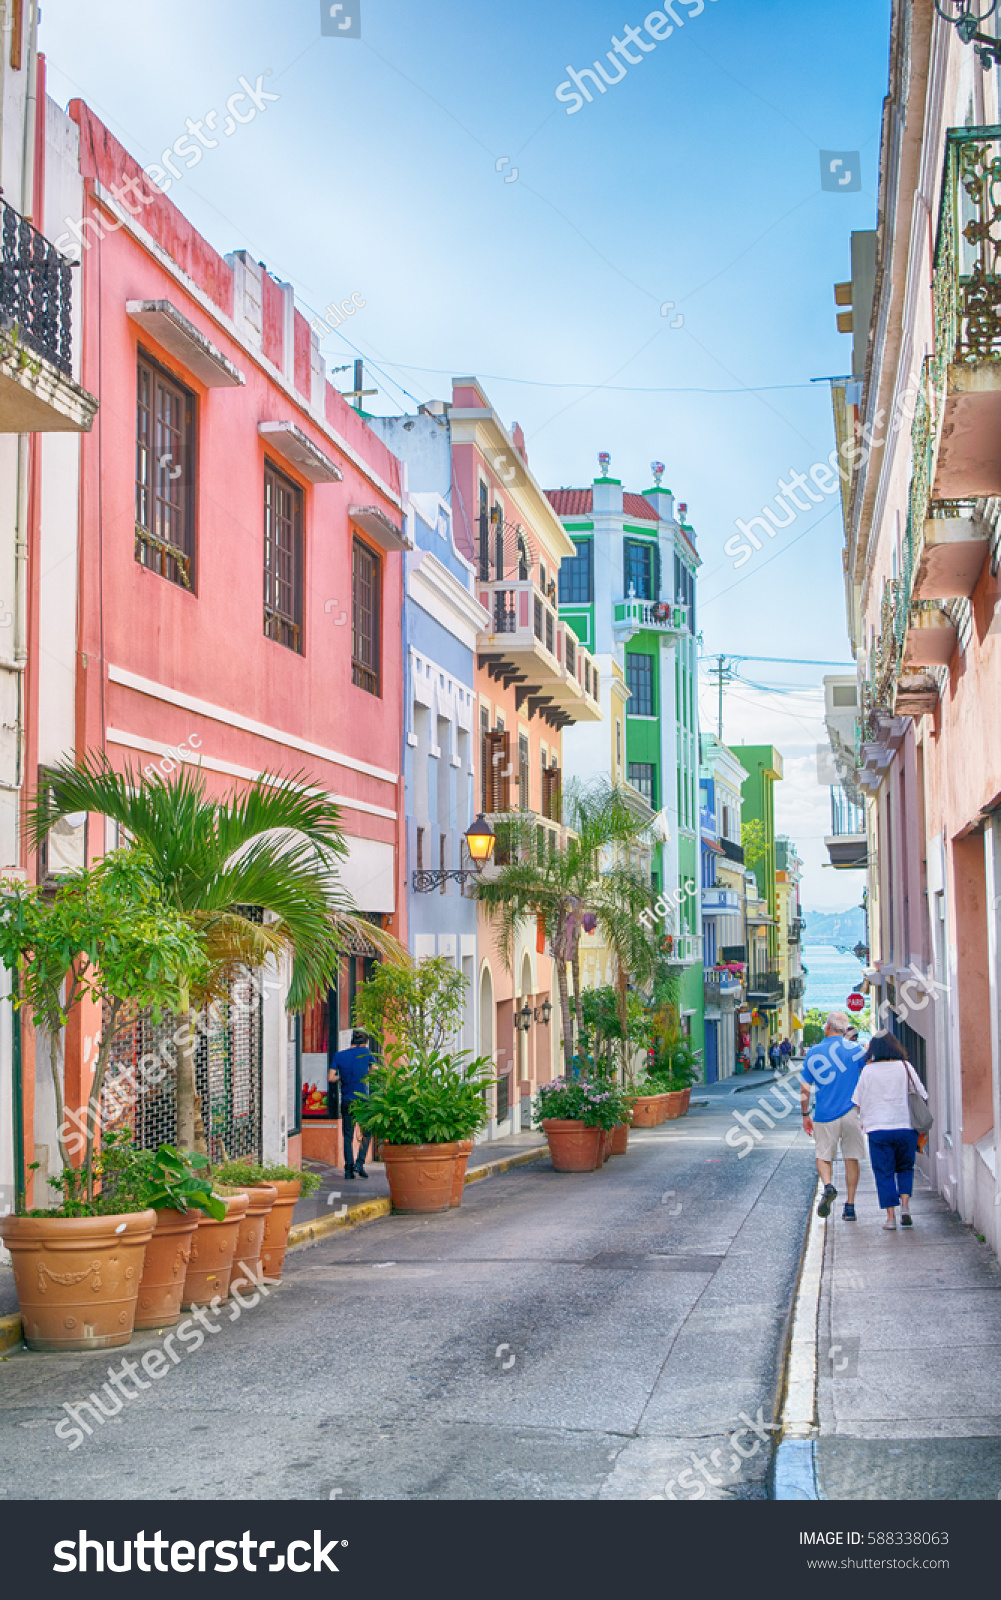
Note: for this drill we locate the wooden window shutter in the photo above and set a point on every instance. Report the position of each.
(497, 777)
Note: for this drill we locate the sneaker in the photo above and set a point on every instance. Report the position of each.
(889, 1227)
(360, 1171)
(848, 1214)
(827, 1199)
(905, 1220)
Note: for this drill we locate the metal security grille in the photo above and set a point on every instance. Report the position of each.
(164, 454)
(228, 1075)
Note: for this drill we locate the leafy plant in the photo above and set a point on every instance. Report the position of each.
(273, 844)
(178, 1180)
(754, 842)
(126, 1179)
(237, 1171)
(417, 1005)
(427, 1098)
(107, 934)
(596, 1102)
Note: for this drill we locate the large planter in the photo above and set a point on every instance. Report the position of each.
(606, 1145)
(277, 1226)
(162, 1282)
(573, 1147)
(650, 1110)
(210, 1265)
(77, 1278)
(677, 1103)
(420, 1175)
(459, 1177)
(620, 1138)
(250, 1237)
(688, 1099)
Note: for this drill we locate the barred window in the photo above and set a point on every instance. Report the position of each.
(165, 459)
(282, 560)
(640, 565)
(639, 682)
(365, 643)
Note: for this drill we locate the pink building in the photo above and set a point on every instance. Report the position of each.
(237, 587)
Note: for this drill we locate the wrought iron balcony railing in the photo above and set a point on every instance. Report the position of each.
(35, 291)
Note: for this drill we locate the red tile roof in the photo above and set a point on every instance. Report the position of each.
(580, 502)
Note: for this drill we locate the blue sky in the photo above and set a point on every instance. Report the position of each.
(695, 179)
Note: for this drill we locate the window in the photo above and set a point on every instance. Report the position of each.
(642, 776)
(497, 771)
(552, 803)
(570, 652)
(484, 758)
(364, 618)
(165, 461)
(420, 849)
(524, 797)
(442, 860)
(642, 569)
(484, 531)
(587, 676)
(282, 560)
(497, 523)
(844, 695)
(639, 681)
(576, 575)
(618, 743)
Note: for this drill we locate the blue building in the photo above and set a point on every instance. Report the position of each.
(440, 622)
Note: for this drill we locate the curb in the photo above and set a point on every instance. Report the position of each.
(10, 1332)
(794, 1465)
(304, 1233)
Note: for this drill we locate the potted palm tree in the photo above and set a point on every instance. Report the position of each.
(580, 888)
(106, 934)
(272, 844)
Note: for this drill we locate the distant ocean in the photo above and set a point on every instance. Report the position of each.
(831, 977)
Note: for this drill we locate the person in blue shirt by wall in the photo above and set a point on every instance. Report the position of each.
(350, 1068)
(832, 1068)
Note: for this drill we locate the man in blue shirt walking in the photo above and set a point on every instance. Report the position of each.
(832, 1067)
(351, 1068)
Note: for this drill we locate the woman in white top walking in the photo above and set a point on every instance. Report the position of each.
(882, 1098)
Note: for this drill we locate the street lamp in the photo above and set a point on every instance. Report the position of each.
(480, 841)
(543, 1013)
(968, 15)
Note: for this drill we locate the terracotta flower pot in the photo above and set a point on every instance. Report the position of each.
(573, 1147)
(77, 1278)
(459, 1178)
(250, 1236)
(688, 1099)
(620, 1138)
(277, 1225)
(606, 1145)
(162, 1282)
(420, 1175)
(649, 1110)
(677, 1103)
(210, 1265)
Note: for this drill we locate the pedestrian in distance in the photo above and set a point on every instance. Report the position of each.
(785, 1050)
(882, 1095)
(352, 1067)
(832, 1069)
(759, 1059)
(774, 1055)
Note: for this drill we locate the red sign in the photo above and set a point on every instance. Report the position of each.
(856, 1002)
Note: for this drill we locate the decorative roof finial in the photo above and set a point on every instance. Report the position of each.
(658, 469)
(604, 462)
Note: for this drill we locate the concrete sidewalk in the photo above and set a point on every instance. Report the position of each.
(908, 1379)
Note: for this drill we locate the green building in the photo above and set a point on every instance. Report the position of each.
(629, 595)
(765, 985)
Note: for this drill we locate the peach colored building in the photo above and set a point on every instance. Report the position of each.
(533, 679)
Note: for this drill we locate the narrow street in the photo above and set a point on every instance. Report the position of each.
(559, 1337)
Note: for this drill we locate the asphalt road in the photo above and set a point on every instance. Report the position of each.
(559, 1337)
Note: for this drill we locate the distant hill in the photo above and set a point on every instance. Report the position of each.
(834, 927)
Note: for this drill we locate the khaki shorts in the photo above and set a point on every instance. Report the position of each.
(848, 1130)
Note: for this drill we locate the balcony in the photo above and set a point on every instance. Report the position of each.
(684, 949)
(847, 844)
(721, 989)
(797, 988)
(765, 989)
(733, 851)
(707, 822)
(950, 555)
(733, 955)
(37, 391)
(757, 913)
(654, 616)
(795, 930)
(530, 647)
(719, 902)
(931, 635)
